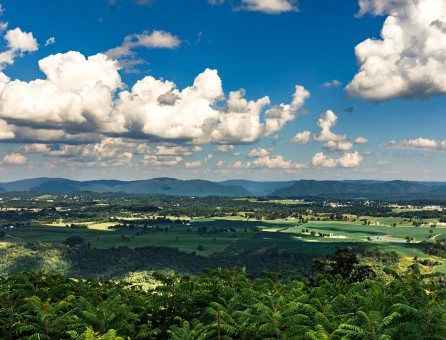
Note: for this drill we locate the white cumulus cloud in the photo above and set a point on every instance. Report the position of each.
(81, 101)
(50, 41)
(323, 161)
(418, 143)
(259, 152)
(15, 159)
(197, 164)
(77, 94)
(21, 41)
(155, 39)
(191, 117)
(269, 6)
(18, 43)
(326, 122)
(277, 162)
(126, 54)
(333, 83)
(348, 160)
(224, 148)
(361, 140)
(264, 6)
(240, 120)
(267, 162)
(338, 146)
(278, 116)
(409, 61)
(301, 138)
(161, 161)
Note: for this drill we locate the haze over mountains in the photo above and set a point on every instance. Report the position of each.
(240, 188)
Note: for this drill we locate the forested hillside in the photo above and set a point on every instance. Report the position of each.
(388, 190)
(82, 262)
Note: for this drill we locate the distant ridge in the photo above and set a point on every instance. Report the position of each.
(160, 186)
(369, 189)
(259, 188)
(348, 189)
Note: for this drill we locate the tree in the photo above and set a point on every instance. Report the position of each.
(90, 334)
(200, 247)
(185, 332)
(73, 241)
(344, 263)
(43, 318)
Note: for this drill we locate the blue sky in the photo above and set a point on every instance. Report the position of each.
(84, 119)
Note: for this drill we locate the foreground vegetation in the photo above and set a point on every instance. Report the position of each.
(226, 304)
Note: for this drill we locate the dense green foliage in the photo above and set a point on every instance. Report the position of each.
(222, 305)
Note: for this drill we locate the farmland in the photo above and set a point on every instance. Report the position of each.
(283, 235)
(218, 225)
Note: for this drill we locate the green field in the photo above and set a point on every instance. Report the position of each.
(285, 235)
(100, 236)
(387, 221)
(356, 232)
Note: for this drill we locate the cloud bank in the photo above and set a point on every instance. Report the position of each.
(82, 99)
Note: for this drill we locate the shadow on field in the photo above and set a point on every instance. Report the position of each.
(120, 262)
(23, 263)
(241, 224)
(340, 230)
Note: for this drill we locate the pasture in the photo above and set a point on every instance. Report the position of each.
(357, 232)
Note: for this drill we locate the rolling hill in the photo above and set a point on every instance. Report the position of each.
(389, 190)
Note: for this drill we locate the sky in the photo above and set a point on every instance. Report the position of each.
(223, 89)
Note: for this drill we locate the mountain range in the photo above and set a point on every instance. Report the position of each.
(386, 190)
